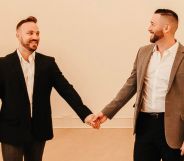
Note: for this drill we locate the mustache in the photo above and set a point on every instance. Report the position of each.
(34, 41)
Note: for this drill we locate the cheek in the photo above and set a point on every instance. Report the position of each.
(159, 32)
(159, 28)
(153, 29)
(26, 39)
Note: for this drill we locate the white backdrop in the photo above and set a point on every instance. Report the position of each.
(94, 43)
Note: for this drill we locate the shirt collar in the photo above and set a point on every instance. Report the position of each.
(30, 58)
(172, 49)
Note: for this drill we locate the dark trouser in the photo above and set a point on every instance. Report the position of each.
(150, 142)
(31, 151)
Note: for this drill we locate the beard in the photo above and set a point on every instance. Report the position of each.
(156, 36)
(30, 45)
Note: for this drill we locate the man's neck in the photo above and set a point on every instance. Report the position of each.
(25, 53)
(165, 44)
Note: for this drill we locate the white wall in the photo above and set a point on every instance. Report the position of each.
(94, 43)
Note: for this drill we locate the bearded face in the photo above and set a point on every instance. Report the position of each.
(30, 44)
(28, 36)
(156, 28)
(157, 35)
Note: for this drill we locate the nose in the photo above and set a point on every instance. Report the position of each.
(149, 28)
(35, 36)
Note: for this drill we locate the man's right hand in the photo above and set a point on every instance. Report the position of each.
(100, 117)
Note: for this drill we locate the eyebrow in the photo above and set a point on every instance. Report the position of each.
(152, 22)
(33, 31)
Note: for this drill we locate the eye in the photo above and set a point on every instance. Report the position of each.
(29, 33)
(152, 23)
(38, 33)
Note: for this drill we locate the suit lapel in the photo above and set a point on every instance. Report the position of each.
(19, 73)
(146, 58)
(177, 61)
(38, 65)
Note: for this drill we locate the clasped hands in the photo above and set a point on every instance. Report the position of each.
(95, 120)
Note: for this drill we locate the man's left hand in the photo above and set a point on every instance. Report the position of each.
(91, 120)
(182, 149)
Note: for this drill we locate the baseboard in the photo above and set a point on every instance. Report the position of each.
(77, 123)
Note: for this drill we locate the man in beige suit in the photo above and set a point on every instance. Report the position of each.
(157, 78)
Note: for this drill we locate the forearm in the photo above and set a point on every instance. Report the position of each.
(118, 102)
(67, 91)
(124, 95)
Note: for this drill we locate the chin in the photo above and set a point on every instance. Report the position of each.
(33, 48)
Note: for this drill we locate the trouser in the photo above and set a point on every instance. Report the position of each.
(150, 143)
(32, 151)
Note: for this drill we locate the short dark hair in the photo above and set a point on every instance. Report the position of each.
(29, 19)
(167, 12)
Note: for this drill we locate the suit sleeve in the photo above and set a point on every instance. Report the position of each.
(124, 95)
(66, 90)
(1, 75)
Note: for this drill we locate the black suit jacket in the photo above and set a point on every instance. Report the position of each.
(16, 124)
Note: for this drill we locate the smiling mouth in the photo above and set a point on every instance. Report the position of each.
(151, 34)
(34, 41)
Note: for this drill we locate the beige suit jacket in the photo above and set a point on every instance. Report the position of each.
(174, 103)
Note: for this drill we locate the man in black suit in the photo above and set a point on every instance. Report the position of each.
(27, 78)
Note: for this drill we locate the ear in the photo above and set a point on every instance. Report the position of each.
(167, 28)
(17, 35)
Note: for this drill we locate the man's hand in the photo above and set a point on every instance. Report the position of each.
(100, 117)
(182, 149)
(92, 121)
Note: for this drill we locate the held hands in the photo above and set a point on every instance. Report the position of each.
(182, 149)
(91, 120)
(95, 121)
(101, 118)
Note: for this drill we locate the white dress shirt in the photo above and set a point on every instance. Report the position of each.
(28, 69)
(157, 79)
